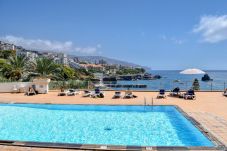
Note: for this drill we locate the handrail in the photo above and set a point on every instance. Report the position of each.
(145, 101)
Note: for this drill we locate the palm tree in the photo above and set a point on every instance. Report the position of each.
(44, 68)
(15, 67)
(64, 75)
(195, 85)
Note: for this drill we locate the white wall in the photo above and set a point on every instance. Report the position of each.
(9, 86)
(41, 85)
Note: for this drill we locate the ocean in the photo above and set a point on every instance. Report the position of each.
(184, 82)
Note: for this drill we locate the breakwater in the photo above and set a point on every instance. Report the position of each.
(126, 85)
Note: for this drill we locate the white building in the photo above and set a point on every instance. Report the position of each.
(6, 46)
(63, 59)
(31, 55)
(75, 65)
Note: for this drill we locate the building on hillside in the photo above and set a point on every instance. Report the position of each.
(62, 59)
(93, 66)
(6, 46)
(76, 59)
(111, 69)
(31, 55)
(49, 55)
(75, 65)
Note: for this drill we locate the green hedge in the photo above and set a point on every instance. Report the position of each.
(74, 84)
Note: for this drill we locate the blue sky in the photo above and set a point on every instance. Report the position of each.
(161, 34)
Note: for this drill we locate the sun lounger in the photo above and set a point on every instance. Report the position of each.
(161, 94)
(117, 95)
(30, 91)
(97, 93)
(64, 93)
(190, 94)
(129, 95)
(225, 93)
(34, 88)
(175, 92)
(87, 93)
(72, 92)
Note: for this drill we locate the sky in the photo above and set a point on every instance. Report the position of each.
(160, 34)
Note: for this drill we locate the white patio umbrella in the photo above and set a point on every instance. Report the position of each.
(192, 71)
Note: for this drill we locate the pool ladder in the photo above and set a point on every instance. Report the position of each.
(145, 101)
(146, 104)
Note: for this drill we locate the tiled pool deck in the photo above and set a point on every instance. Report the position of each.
(214, 124)
(209, 109)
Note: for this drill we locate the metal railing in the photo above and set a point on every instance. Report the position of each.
(151, 85)
(155, 85)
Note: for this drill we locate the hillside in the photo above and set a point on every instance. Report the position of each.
(95, 59)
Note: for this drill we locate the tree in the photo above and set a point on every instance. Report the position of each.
(125, 71)
(195, 85)
(65, 74)
(14, 68)
(44, 68)
(6, 54)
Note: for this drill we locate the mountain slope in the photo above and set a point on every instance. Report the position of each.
(96, 59)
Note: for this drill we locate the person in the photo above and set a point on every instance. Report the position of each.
(30, 91)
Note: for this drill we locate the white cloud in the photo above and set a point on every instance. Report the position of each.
(212, 28)
(99, 46)
(172, 39)
(47, 45)
(177, 41)
(163, 37)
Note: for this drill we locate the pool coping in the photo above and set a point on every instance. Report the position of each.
(218, 144)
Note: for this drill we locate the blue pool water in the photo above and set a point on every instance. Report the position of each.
(90, 124)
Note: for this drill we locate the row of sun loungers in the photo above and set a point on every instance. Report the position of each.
(190, 94)
(94, 94)
(128, 95)
(70, 92)
(97, 93)
(117, 95)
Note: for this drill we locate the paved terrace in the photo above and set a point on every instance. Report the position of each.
(209, 108)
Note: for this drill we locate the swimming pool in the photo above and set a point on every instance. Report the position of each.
(99, 124)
